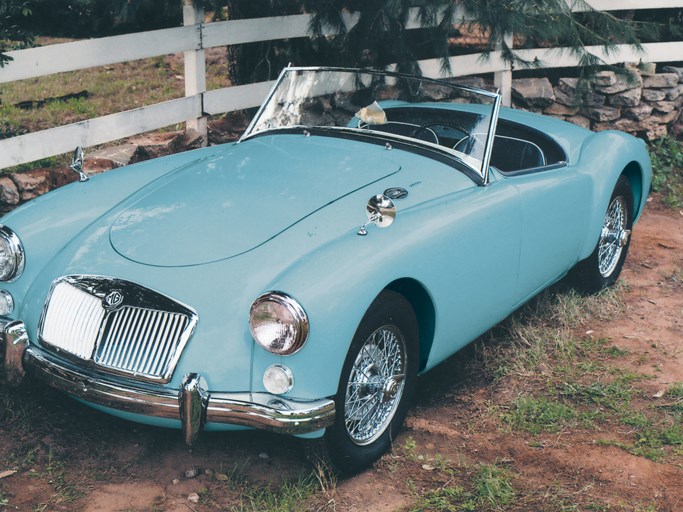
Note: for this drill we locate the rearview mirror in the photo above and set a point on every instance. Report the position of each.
(381, 212)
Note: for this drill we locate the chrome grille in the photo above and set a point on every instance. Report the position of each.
(143, 336)
(72, 323)
(140, 340)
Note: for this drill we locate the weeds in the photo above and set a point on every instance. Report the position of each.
(287, 497)
(536, 415)
(667, 169)
(491, 489)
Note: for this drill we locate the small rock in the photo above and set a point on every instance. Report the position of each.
(630, 98)
(659, 394)
(605, 78)
(428, 467)
(673, 93)
(629, 79)
(654, 95)
(9, 194)
(263, 455)
(533, 92)
(221, 477)
(665, 107)
(32, 184)
(175, 481)
(5, 474)
(638, 113)
(558, 109)
(192, 472)
(661, 80)
(193, 497)
(665, 118)
(672, 69)
(580, 120)
(602, 114)
(647, 68)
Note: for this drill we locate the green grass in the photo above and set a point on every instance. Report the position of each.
(490, 489)
(289, 497)
(536, 415)
(667, 169)
(112, 88)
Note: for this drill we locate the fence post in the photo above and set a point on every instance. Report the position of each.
(503, 79)
(195, 66)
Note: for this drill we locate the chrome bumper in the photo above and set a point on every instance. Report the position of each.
(192, 404)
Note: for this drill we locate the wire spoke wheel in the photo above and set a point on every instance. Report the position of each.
(375, 385)
(613, 237)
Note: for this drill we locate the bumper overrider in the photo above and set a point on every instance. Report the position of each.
(193, 404)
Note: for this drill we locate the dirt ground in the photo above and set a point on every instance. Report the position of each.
(58, 455)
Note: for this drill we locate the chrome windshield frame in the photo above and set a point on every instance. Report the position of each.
(483, 172)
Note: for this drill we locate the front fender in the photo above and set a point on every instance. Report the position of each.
(605, 156)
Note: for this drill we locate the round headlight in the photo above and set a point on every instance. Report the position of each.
(278, 323)
(11, 255)
(6, 303)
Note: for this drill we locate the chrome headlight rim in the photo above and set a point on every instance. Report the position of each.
(294, 309)
(17, 253)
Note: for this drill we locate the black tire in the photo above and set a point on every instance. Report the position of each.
(602, 268)
(350, 444)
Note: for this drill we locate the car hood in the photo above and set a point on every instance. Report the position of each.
(228, 204)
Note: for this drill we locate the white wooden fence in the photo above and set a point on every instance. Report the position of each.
(195, 36)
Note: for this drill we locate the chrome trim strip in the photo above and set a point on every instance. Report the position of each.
(256, 410)
(15, 339)
(490, 139)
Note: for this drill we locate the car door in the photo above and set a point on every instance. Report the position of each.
(554, 216)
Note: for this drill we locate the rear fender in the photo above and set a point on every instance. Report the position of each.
(606, 156)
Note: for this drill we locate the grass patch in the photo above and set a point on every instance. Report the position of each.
(536, 415)
(289, 496)
(490, 490)
(110, 89)
(667, 169)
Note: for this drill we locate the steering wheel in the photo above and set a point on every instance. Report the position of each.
(428, 126)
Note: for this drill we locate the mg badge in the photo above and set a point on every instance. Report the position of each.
(113, 300)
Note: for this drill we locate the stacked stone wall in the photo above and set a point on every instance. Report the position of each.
(636, 99)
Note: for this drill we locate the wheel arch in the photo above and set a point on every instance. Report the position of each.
(634, 173)
(423, 306)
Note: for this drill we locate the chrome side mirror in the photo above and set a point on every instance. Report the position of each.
(381, 211)
(77, 164)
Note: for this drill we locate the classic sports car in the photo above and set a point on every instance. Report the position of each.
(365, 227)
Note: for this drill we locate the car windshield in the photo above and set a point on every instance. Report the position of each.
(430, 113)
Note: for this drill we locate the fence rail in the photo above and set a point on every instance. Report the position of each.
(195, 36)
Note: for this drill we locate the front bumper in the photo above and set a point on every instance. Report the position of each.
(193, 404)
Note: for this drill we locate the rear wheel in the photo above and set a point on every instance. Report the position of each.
(376, 385)
(602, 268)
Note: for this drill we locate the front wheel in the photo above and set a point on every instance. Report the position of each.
(376, 385)
(602, 268)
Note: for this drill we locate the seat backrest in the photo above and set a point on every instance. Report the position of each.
(511, 154)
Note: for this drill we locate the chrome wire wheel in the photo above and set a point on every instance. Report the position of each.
(375, 385)
(614, 237)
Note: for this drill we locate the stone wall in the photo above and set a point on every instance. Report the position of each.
(638, 100)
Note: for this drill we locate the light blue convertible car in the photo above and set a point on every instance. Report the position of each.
(365, 227)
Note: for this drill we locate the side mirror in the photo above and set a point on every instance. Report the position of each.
(381, 211)
(77, 164)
